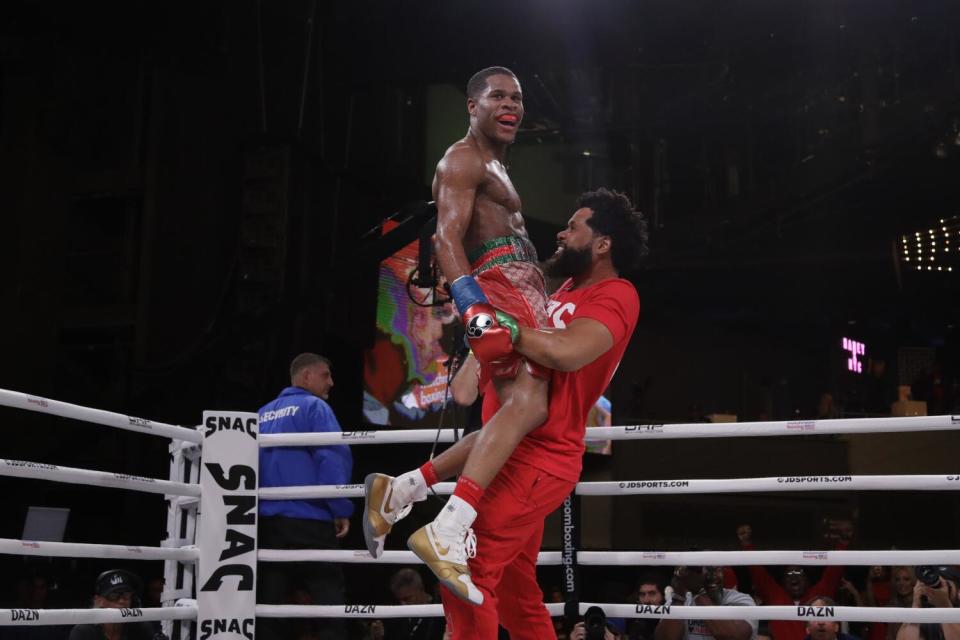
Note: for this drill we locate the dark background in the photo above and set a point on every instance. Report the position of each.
(186, 188)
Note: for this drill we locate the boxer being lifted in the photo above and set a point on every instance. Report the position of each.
(485, 254)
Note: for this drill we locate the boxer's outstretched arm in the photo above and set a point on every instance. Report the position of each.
(580, 343)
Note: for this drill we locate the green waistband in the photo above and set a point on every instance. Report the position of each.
(521, 249)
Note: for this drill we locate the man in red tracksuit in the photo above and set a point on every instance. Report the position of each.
(593, 314)
(796, 588)
(540, 474)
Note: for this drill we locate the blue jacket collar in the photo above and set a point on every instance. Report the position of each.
(295, 391)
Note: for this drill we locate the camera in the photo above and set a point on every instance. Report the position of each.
(594, 623)
(930, 575)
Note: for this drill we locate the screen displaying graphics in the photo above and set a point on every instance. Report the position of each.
(405, 372)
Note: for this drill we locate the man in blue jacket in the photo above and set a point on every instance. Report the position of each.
(302, 524)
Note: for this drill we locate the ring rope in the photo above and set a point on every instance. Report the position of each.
(638, 487)
(70, 475)
(332, 491)
(362, 556)
(798, 612)
(841, 557)
(787, 483)
(83, 550)
(19, 400)
(645, 431)
(850, 614)
(349, 611)
(38, 617)
(649, 558)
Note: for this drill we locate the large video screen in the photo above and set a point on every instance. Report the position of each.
(405, 372)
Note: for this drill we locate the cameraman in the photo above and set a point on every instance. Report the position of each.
(942, 594)
(703, 587)
(579, 632)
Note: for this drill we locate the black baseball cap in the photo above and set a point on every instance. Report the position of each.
(115, 581)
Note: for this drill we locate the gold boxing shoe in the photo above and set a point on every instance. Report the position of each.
(445, 552)
(378, 517)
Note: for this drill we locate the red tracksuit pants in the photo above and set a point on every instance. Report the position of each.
(509, 529)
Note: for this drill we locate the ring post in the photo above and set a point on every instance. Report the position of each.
(570, 542)
(227, 567)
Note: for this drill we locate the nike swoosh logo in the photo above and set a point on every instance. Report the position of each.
(442, 551)
(386, 501)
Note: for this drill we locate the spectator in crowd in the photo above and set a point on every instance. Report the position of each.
(153, 592)
(943, 594)
(554, 594)
(825, 629)
(880, 390)
(153, 597)
(406, 585)
(876, 593)
(903, 580)
(302, 524)
(703, 587)
(878, 589)
(33, 592)
(849, 596)
(650, 592)
(116, 589)
(826, 408)
(794, 587)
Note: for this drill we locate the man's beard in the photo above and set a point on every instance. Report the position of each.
(569, 263)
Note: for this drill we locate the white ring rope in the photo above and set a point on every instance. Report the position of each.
(638, 487)
(850, 614)
(784, 483)
(403, 436)
(37, 617)
(19, 400)
(798, 612)
(82, 550)
(644, 431)
(42, 471)
(650, 558)
(362, 556)
(332, 491)
(842, 557)
(349, 611)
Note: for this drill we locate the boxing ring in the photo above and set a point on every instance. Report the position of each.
(210, 550)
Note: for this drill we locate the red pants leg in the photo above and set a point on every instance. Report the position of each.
(520, 600)
(509, 528)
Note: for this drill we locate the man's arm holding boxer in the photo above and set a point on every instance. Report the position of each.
(578, 344)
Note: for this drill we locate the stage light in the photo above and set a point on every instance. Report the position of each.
(926, 246)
